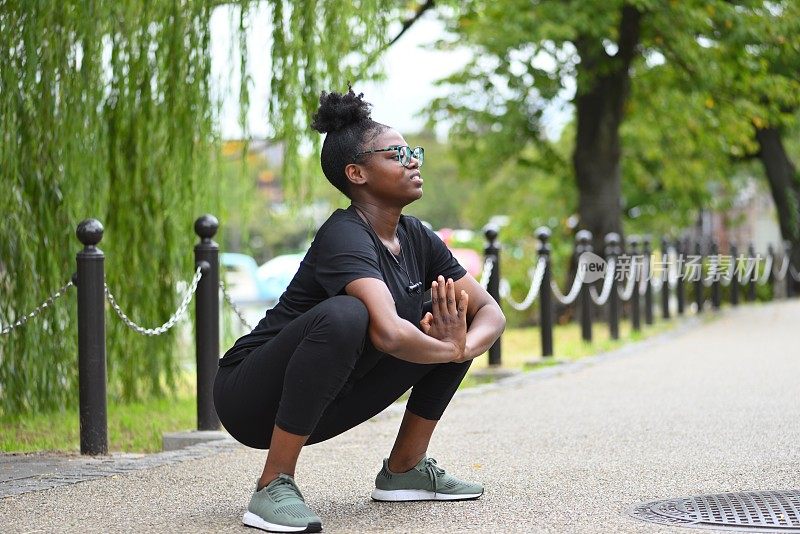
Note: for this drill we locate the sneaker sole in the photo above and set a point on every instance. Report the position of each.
(252, 520)
(420, 495)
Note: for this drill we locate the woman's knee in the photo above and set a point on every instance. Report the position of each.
(346, 315)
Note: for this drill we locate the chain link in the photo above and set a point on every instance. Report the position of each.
(713, 264)
(672, 274)
(608, 282)
(187, 298)
(537, 275)
(764, 278)
(486, 272)
(780, 274)
(626, 293)
(239, 313)
(657, 284)
(574, 291)
(46, 304)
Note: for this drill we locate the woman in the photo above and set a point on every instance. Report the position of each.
(343, 343)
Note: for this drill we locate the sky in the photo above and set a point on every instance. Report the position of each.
(397, 101)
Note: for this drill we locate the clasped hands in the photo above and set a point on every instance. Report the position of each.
(448, 321)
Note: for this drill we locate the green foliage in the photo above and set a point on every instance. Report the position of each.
(448, 194)
(320, 45)
(676, 156)
(729, 66)
(745, 75)
(106, 114)
(105, 111)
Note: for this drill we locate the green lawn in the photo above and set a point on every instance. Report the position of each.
(139, 427)
(522, 346)
(131, 427)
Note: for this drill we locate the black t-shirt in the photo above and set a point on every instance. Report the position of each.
(346, 249)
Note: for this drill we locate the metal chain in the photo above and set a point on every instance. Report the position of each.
(657, 284)
(626, 293)
(781, 273)
(727, 278)
(708, 281)
(486, 272)
(187, 298)
(574, 291)
(672, 274)
(46, 304)
(795, 273)
(767, 270)
(537, 275)
(602, 298)
(233, 306)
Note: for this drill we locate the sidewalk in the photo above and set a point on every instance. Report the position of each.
(709, 409)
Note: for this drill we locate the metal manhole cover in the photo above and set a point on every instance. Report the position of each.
(762, 511)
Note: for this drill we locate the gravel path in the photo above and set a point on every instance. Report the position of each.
(708, 409)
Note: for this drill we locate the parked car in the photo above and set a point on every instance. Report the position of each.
(247, 291)
(276, 274)
(469, 259)
(240, 274)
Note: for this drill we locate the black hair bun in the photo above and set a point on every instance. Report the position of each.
(337, 111)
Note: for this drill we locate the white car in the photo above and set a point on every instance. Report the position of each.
(276, 274)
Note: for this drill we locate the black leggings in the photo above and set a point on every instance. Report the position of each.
(320, 377)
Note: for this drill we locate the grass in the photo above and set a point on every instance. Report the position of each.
(135, 427)
(522, 347)
(132, 427)
(138, 427)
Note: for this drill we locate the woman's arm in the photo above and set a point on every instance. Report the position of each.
(392, 334)
(484, 316)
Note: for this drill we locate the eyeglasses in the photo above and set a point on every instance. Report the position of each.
(404, 153)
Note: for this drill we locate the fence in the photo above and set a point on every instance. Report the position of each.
(205, 284)
(639, 287)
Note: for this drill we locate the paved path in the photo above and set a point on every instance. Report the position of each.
(707, 409)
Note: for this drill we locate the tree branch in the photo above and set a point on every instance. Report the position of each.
(429, 4)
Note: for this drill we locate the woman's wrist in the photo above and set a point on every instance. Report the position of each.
(459, 352)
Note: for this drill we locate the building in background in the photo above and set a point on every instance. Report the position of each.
(752, 219)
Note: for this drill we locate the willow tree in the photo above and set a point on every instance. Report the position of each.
(106, 110)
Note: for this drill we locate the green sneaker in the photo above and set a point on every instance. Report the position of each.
(280, 507)
(425, 482)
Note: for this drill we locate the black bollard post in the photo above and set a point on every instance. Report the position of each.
(206, 255)
(647, 252)
(636, 267)
(751, 283)
(90, 280)
(699, 297)
(734, 287)
(583, 243)
(680, 288)
(665, 278)
(545, 294)
(492, 250)
(771, 280)
(612, 243)
(787, 256)
(716, 288)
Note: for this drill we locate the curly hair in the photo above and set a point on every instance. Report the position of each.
(345, 118)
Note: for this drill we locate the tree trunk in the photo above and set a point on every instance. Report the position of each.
(784, 183)
(603, 89)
